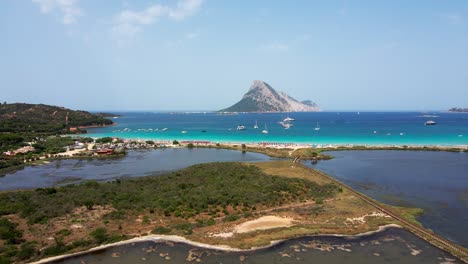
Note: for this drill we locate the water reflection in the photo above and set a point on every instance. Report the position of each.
(135, 164)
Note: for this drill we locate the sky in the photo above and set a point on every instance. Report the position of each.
(204, 54)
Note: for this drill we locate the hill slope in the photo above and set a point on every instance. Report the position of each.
(19, 117)
(261, 97)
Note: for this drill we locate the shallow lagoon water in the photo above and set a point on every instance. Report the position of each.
(434, 181)
(390, 246)
(135, 164)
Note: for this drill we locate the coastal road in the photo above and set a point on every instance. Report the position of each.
(417, 230)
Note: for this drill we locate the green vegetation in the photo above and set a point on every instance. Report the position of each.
(214, 185)
(104, 140)
(175, 142)
(9, 233)
(39, 118)
(53, 145)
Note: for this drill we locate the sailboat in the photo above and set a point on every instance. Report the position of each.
(317, 128)
(265, 131)
(256, 125)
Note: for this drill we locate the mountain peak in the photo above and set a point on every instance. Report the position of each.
(261, 97)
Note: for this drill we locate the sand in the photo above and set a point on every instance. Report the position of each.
(264, 223)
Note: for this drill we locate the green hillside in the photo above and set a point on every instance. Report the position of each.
(19, 117)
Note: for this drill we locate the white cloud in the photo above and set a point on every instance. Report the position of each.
(452, 18)
(128, 23)
(184, 9)
(69, 9)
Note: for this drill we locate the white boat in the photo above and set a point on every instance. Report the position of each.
(164, 129)
(256, 125)
(265, 131)
(430, 123)
(285, 125)
(183, 131)
(240, 127)
(317, 128)
(288, 119)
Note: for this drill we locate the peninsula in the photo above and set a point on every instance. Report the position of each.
(261, 97)
(258, 203)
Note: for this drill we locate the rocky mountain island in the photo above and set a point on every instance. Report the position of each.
(458, 110)
(261, 97)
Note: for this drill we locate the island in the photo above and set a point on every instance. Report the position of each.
(458, 110)
(261, 97)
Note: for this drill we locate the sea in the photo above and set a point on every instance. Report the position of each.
(320, 128)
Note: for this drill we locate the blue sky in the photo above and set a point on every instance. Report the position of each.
(204, 54)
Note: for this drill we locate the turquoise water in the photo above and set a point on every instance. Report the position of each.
(373, 128)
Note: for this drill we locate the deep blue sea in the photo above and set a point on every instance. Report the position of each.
(372, 128)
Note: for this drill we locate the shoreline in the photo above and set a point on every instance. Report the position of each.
(225, 248)
(296, 145)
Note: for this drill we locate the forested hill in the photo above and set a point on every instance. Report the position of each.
(19, 117)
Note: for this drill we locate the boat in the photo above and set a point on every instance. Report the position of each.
(256, 125)
(183, 131)
(288, 119)
(317, 128)
(285, 125)
(240, 127)
(430, 123)
(265, 131)
(164, 129)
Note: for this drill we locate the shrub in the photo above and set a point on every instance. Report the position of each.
(9, 233)
(27, 251)
(175, 142)
(161, 230)
(100, 235)
(89, 204)
(231, 218)
(190, 146)
(63, 232)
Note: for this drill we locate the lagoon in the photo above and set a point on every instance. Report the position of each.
(390, 246)
(434, 181)
(134, 164)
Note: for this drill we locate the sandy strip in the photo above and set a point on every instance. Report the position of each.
(179, 239)
(264, 223)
